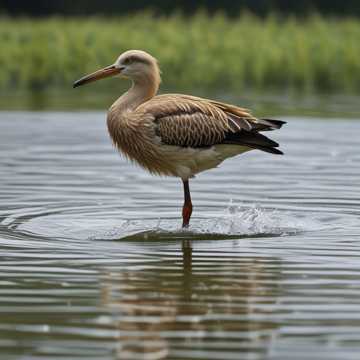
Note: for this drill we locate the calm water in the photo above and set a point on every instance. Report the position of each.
(95, 266)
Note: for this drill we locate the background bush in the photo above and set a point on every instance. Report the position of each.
(212, 53)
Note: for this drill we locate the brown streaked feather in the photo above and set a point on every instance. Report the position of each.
(185, 121)
(244, 114)
(189, 121)
(240, 123)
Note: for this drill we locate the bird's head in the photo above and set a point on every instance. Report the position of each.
(136, 65)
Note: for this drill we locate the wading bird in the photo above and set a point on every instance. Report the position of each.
(174, 134)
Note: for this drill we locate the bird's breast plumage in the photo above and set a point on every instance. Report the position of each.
(133, 133)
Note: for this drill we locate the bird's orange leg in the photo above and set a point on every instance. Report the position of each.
(187, 208)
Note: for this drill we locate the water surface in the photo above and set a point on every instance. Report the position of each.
(94, 264)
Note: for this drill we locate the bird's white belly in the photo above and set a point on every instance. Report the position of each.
(191, 161)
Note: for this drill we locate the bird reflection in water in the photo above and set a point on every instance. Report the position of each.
(179, 308)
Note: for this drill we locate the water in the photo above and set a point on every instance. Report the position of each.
(94, 264)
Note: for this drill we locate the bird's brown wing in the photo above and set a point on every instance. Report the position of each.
(184, 120)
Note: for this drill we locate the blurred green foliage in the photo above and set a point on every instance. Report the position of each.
(200, 52)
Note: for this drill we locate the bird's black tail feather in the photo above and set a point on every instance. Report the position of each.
(253, 140)
(270, 124)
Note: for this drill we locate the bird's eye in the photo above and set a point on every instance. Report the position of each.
(127, 61)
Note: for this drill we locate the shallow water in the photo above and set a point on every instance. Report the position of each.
(94, 264)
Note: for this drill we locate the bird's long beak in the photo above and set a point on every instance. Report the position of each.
(97, 75)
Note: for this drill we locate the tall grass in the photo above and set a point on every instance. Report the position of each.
(210, 53)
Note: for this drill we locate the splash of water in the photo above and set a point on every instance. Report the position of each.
(239, 220)
(234, 221)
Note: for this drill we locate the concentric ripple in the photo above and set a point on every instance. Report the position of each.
(94, 264)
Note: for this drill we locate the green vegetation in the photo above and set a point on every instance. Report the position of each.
(200, 52)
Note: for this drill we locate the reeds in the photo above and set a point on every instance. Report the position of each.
(201, 52)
